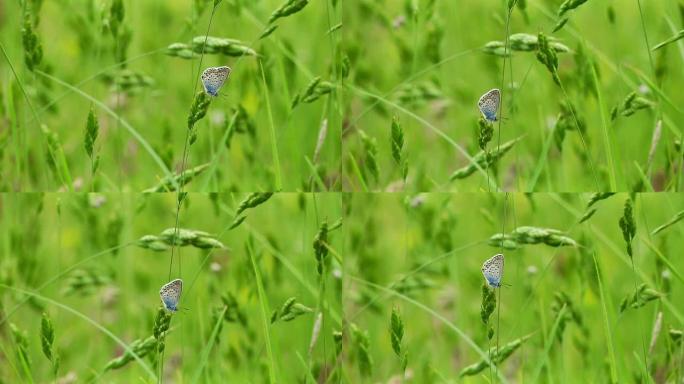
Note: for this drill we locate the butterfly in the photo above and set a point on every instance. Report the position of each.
(170, 294)
(489, 104)
(213, 79)
(492, 270)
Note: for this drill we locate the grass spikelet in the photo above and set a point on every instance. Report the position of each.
(139, 347)
(566, 122)
(320, 247)
(268, 31)
(290, 310)
(396, 337)
(484, 160)
(627, 225)
(487, 307)
(168, 184)
(679, 216)
(531, 235)
(180, 237)
(522, 42)
(397, 143)
(199, 108)
(486, 132)
(84, 282)
(547, 56)
(569, 5)
(289, 8)
(313, 91)
(56, 158)
(21, 342)
(361, 350)
(252, 201)
(497, 356)
(564, 308)
(655, 332)
(564, 8)
(630, 105)
(33, 49)
(641, 297)
(315, 332)
(47, 339)
(370, 146)
(418, 94)
(213, 46)
(598, 196)
(91, 132)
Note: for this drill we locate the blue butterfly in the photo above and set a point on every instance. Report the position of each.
(170, 294)
(213, 79)
(489, 104)
(492, 270)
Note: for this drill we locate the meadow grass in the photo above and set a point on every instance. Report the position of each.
(330, 210)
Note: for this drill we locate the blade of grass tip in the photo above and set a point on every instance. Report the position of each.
(550, 338)
(136, 135)
(308, 375)
(357, 172)
(207, 349)
(263, 304)
(607, 144)
(274, 142)
(606, 326)
(643, 177)
(436, 130)
(92, 322)
(436, 315)
(315, 175)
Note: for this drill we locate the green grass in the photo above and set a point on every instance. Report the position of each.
(307, 254)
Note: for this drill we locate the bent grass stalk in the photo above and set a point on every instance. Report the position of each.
(92, 322)
(437, 316)
(136, 135)
(436, 130)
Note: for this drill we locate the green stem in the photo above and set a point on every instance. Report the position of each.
(274, 142)
(263, 301)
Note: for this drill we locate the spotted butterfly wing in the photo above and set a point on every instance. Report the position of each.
(170, 294)
(213, 79)
(489, 104)
(492, 270)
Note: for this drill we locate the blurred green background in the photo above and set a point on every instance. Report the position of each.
(79, 251)
(425, 63)
(422, 255)
(153, 92)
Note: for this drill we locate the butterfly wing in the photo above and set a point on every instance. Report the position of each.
(170, 294)
(492, 270)
(489, 104)
(213, 79)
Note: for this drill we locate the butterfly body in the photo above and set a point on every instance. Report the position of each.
(170, 294)
(492, 270)
(213, 79)
(489, 104)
